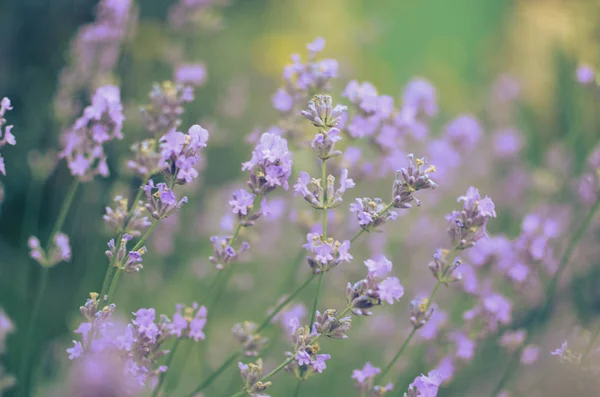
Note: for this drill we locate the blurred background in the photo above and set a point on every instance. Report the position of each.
(463, 47)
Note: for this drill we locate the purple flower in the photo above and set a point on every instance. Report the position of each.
(465, 347)
(303, 358)
(390, 290)
(344, 251)
(379, 267)
(464, 132)
(530, 354)
(282, 101)
(427, 386)
(585, 74)
(241, 202)
(367, 372)
(437, 320)
(197, 324)
(75, 351)
(561, 350)
(319, 363)
(324, 253)
(317, 45)
(193, 74)
(270, 165)
(507, 142)
(420, 95)
(469, 225)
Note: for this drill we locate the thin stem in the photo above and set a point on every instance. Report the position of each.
(357, 235)
(168, 364)
(361, 231)
(291, 278)
(551, 290)
(141, 242)
(62, 216)
(279, 307)
(298, 386)
(234, 356)
(316, 300)
(398, 354)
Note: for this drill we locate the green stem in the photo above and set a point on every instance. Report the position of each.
(298, 386)
(316, 300)
(514, 361)
(279, 307)
(234, 356)
(25, 356)
(291, 278)
(361, 231)
(168, 364)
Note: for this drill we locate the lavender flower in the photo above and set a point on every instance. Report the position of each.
(530, 354)
(322, 113)
(469, 225)
(163, 114)
(189, 322)
(251, 373)
(6, 327)
(425, 385)
(326, 254)
(101, 122)
(585, 74)
(8, 136)
(306, 360)
(181, 152)
(421, 97)
(59, 250)
(270, 165)
(312, 190)
(329, 325)
(370, 291)
(129, 262)
(443, 271)
(147, 159)
(420, 312)
(242, 203)
(119, 221)
(191, 74)
(223, 252)
(372, 213)
(251, 341)
(411, 180)
(162, 202)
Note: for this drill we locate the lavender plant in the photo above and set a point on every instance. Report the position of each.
(497, 289)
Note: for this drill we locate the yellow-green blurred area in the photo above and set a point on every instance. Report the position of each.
(461, 46)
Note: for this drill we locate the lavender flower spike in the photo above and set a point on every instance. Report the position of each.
(162, 202)
(8, 136)
(322, 113)
(59, 250)
(411, 180)
(270, 165)
(469, 225)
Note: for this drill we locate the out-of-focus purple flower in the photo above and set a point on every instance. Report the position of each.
(282, 101)
(513, 339)
(425, 385)
(270, 165)
(6, 327)
(585, 74)
(193, 74)
(8, 137)
(430, 330)
(368, 371)
(464, 132)
(378, 267)
(391, 290)
(59, 250)
(421, 96)
(223, 252)
(530, 354)
(101, 122)
(507, 142)
(163, 113)
(241, 202)
(319, 362)
(465, 347)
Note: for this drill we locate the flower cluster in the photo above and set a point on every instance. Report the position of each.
(163, 113)
(6, 327)
(129, 262)
(425, 385)
(330, 325)
(365, 379)
(251, 374)
(270, 165)
(411, 180)
(8, 137)
(469, 225)
(120, 220)
(370, 291)
(319, 198)
(189, 322)
(306, 360)
(443, 271)
(327, 253)
(223, 252)
(301, 79)
(181, 152)
(59, 250)
(252, 342)
(94, 53)
(101, 122)
(147, 159)
(160, 200)
(372, 213)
